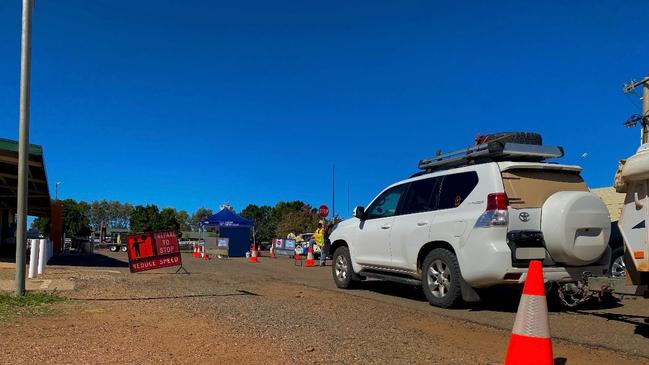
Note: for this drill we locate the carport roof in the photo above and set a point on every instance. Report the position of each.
(38, 194)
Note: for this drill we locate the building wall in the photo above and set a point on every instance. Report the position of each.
(613, 200)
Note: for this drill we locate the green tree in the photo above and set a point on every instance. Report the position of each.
(75, 218)
(264, 224)
(145, 218)
(182, 217)
(280, 213)
(199, 215)
(304, 220)
(42, 225)
(168, 219)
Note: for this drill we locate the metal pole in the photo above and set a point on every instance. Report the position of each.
(333, 192)
(645, 111)
(23, 144)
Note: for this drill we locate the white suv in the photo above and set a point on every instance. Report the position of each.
(474, 219)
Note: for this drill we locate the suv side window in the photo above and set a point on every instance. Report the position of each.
(422, 196)
(386, 204)
(455, 188)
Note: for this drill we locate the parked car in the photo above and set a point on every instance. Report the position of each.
(474, 219)
(304, 237)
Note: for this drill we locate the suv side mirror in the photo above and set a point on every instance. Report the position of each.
(359, 212)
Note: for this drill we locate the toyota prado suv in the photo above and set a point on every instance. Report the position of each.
(474, 219)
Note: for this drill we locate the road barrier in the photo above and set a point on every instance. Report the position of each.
(530, 342)
(41, 251)
(33, 258)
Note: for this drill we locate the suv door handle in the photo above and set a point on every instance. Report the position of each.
(422, 223)
(385, 226)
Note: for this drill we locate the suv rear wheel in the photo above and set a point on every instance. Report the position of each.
(341, 268)
(440, 278)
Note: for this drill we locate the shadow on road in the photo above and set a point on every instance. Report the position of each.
(93, 260)
(641, 322)
(238, 293)
(393, 289)
(503, 298)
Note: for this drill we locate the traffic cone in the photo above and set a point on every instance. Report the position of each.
(530, 342)
(309, 258)
(253, 256)
(272, 251)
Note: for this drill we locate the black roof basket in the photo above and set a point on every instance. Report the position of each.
(491, 151)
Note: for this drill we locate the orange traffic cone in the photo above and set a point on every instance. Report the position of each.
(309, 258)
(530, 342)
(272, 251)
(253, 256)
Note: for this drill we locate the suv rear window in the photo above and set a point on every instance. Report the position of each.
(530, 188)
(455, 188)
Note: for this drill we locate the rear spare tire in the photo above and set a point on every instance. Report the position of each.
(576, 227)
(513, 137)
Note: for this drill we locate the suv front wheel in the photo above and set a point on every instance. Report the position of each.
(440, 278)
(341, 268)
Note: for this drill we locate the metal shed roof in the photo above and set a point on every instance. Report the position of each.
(38, 193)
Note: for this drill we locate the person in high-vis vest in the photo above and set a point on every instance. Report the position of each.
(318, 238)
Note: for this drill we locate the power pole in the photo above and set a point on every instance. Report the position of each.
(333, 192)
(23, 144)
(644, 118)
(645, 110)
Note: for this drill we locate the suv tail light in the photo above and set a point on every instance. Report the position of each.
(496, 214)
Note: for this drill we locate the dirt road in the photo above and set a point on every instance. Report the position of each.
(275, 313)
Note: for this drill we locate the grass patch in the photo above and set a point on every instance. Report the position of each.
(32, 303)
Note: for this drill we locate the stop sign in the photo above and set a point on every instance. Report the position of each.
(323, 211)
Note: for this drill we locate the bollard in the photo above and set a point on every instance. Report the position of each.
(33, 258)
(42, 256)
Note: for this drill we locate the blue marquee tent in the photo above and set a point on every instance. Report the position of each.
(234, 227)
(226, 218)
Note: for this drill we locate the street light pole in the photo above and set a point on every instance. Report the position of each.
(23, 144)
(645, 111)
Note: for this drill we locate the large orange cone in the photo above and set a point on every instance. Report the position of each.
(309, 257)
(530, 343)
(253, 256)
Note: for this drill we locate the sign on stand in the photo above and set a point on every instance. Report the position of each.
(151, 251)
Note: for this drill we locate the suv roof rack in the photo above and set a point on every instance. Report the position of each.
(491, 151)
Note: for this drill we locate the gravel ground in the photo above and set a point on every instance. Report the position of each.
(275, 313)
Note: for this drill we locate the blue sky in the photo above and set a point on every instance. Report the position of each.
(194, 103)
